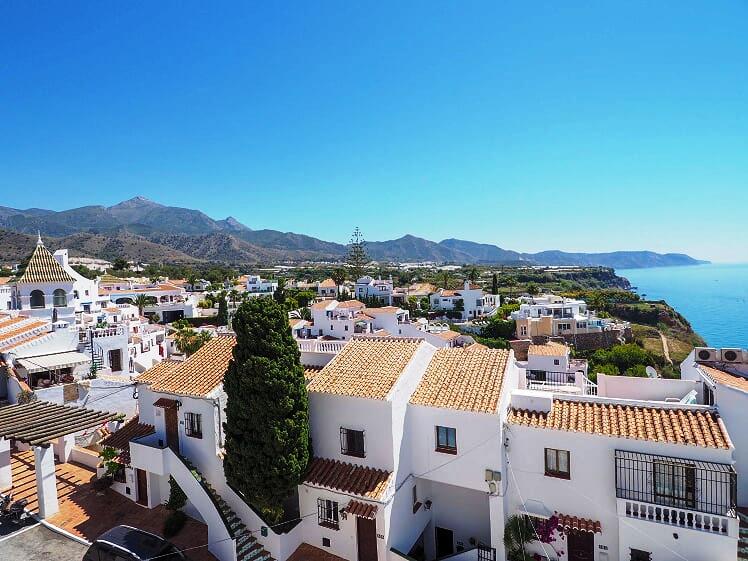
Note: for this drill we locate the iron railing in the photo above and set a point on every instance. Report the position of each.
(695, 485)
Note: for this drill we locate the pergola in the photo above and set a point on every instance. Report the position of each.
(39, 424)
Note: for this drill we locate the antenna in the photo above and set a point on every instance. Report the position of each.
(651, 372)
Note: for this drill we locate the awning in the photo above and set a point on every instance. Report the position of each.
(53, 362)
(567, 522)
(165, 403)
(40, 422)
(363, 510)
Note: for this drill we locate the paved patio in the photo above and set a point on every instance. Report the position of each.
(87, 511)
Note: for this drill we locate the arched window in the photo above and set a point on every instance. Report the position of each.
(37, 299)
(59, 298)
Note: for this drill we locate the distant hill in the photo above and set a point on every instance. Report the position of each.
(148, 231)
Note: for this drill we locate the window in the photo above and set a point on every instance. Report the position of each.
(556, 362)
(523, 330)
(119, 475)
(564, 326)
(352, 443)
(675, 484)
(446, 440)
(327, 514)
(193, 425)
(557, 463)
(59, 298)
(639, 555)
(346, 328)
(36, 299)
(416, 503)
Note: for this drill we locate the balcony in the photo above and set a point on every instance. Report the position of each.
(678, 492)
(148, 453)
(317, 346)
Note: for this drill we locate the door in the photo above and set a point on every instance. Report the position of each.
(172, 428)
(142, 487)
(444, 542)
(115, 360)
(366, 530)
(581, 546)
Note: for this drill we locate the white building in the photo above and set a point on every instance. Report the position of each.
(6, 294)
(369, 287)
(327, 289)
(169, 301)
(474, 302)
(260, 286)
(551, 365)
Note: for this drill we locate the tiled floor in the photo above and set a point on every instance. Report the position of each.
(87, 511)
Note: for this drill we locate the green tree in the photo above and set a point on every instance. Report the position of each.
(189, 341)
(518, 533)
(357, 257)
(473, 275)
(532, 289)
(120, 264)
(268, 442)
(495, 284)
(445, 280)
(280, 293)
(223, 312)
(338, 276)
(142, 300)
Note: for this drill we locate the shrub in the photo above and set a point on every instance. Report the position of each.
(174, 523)
(177, 497)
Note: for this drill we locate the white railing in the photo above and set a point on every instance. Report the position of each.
(317, 346)
(590, 387)
(672, 516)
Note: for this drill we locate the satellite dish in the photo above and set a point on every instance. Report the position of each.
(651, 372)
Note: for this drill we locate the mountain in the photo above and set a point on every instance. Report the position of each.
(148, 231)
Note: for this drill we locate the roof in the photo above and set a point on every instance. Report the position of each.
(20, 326)
(41, 422)
(348, 478)
(671, 425)
(310, 372)
(306, 552)
(568, 522)
(53, 361)
(156, 372)
(327, 283)
(201, 373)
(463, 380)
(726, 378)
(366, 367)
(362, 510)
(43, 267)
(448, 335)
(323, 304)
(121, 439)
(549, 349)
(350, 304)
(383, 310)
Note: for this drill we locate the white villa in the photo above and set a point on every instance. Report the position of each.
(259, 286)
(475, 302)
(369, 287)
(423, 452)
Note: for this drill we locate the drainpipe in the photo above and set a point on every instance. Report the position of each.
(217, 405)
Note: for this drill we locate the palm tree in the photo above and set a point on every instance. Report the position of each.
(143, 300)
(338, 276)
(518, 532)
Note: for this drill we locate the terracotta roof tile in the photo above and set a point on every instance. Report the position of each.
(327, 283)
(43, 267)
(464, 380)
(121, 438)
(549, 349)
(306, 552)
(348, 478)
(201, 373)
(567, 522)
(727, 378)
(156, 371)
(310, 372)
(362, 510)
(671, 425)
(31, 328)
(367, 367)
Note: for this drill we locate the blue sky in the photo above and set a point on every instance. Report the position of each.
(588, 126)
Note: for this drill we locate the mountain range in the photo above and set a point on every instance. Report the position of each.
(144, 230)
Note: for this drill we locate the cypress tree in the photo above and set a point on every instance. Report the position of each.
(223, 312)
(495, 284)
(268, 442)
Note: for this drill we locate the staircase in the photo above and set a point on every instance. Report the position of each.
(96, 354)
(743, 539)
(247, 546)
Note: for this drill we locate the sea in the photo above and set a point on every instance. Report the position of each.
(712, 297)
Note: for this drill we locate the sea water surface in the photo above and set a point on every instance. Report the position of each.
(713, 298)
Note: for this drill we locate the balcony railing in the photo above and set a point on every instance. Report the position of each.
(680, 517)
(317, 346)
(679, 485)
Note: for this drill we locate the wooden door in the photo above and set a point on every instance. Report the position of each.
(581, 546)
(142, 487)
(366, 529)
(445, 544)
(172, 428)
(115, 360)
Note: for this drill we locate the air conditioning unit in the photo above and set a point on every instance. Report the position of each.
(731, 355)
(706, 354)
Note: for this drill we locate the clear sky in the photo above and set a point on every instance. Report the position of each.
(588, 126)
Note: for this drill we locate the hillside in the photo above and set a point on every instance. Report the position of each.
(146, 230)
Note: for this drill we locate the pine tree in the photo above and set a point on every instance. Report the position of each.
(223, 312)
(495, 284)
(268, 442)
(357, 257)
